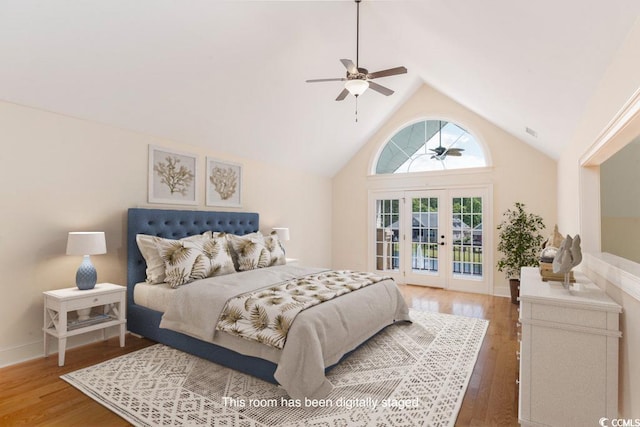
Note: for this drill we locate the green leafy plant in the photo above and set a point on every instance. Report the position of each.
(520, 240)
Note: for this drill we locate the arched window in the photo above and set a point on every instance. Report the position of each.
(430, 145)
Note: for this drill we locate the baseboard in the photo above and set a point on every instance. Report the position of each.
(501, 291)
(21, 353)
(34, 350)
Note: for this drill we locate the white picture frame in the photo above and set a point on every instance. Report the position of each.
(173, 176)
(223, 183)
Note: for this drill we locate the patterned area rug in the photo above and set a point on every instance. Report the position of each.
(407, 375)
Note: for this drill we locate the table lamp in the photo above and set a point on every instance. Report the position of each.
(86, 243)
(282, 232)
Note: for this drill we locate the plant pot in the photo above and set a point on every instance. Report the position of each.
(514, 285)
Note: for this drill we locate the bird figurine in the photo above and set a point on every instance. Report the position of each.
(568, 256)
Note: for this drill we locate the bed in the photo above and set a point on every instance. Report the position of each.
(145, 320)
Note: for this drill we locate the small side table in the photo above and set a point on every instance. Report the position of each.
(59, 303)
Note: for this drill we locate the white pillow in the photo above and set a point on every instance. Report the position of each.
(249, 251)
(275, 248)
(155, 264)
(186, 261)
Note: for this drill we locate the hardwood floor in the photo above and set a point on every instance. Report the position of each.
(492, 395)
(32, 394)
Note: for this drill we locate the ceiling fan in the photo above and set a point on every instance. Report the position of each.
(359, 79)
(441, 152)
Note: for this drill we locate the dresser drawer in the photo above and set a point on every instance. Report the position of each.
(93, 300)
(569, 316)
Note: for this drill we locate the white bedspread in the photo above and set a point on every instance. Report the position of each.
(318, 338)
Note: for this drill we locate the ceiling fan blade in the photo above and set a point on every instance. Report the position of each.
(350, 66)
(381, 89)
(386, 73)
(341, 79)
(453, 153)
(342, 95)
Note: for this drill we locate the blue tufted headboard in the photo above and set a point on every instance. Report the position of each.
(175, 224)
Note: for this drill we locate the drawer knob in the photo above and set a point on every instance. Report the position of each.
(95, 300)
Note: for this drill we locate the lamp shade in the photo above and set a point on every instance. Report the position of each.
(282, 232)
(86, 243)
(356, 87)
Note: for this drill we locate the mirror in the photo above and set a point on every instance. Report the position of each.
(620, 202)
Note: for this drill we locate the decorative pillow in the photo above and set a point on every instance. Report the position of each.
(250, 251)
(275, 248)
(234, 254)
(217, 251)
(155, 264)
(186, 261)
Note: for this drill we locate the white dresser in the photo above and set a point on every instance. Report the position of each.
(568, 353)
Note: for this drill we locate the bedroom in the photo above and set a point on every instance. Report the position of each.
(72, 168)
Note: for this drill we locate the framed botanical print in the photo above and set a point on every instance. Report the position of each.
(173, 176)
(224, 183)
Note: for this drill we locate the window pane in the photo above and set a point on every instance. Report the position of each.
(423, 146)
(424, 234)
(387, 234)
(467, 236)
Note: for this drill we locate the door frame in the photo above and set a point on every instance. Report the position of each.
(371, 232)
(399, 193)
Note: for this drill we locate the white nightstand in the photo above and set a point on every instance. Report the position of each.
(61, 322)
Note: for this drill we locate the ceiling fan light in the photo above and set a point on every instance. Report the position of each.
(356, 87)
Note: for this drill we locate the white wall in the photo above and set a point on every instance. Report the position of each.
(518, 173)
(62, 174)
(578, 205)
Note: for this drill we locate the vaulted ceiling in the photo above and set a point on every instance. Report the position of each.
(231, 74)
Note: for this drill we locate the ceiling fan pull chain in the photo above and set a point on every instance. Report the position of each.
(356, 109)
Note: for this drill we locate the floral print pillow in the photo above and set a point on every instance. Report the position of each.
(155, 264)
(250, 251)
(186, 261)
(276, 250)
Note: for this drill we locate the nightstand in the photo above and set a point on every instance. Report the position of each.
(71, 311)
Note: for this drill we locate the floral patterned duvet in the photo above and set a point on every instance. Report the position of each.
(266, 315)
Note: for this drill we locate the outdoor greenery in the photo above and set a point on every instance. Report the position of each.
(520, 240)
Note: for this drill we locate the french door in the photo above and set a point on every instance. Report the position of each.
(433, 237)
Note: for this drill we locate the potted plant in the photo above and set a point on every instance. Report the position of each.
(520, 241)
